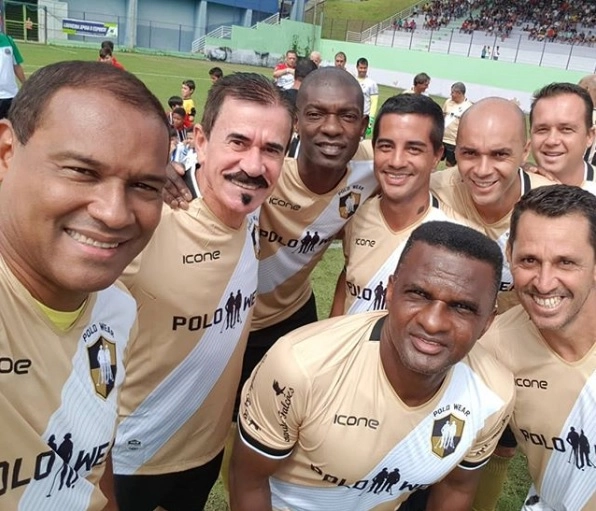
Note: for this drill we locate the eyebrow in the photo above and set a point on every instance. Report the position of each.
(244, 138)
(96, 164)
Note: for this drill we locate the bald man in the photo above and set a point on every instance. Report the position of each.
(491, 146)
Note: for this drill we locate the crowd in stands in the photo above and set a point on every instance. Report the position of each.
(550, 20)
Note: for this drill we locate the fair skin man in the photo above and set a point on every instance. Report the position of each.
(425, 333)
(290, 61)
(491, 146)
(561, 131)
(404, 159)
(340, 60)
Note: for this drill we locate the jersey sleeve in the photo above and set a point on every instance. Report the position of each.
(16, 54)
(273, 403)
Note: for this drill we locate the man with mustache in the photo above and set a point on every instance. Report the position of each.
(195, 284)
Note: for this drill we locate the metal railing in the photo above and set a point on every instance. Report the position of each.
(223, 32)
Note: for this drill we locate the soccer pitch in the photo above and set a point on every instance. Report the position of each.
(163, 75)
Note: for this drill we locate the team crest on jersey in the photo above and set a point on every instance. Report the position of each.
(102, 365)
(348, 203)
(446, 435)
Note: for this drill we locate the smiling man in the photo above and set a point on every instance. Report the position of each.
(562, 130)
(407, 148)
(195, 284)
(548, 343)
(79, 199)
(491, 146)
(359, 411)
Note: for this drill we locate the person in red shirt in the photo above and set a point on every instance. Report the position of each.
(109, 45)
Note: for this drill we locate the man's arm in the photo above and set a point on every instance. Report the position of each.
(20, 74)
(339, 298)
(249, 478)
(277, 72)
(455, 492)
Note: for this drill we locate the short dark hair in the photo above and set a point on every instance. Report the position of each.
(174, 101)
(108, 44)
(362, 61)
(458, 239)
(335, 76)
(250, 87)
(421, 78)
(341, 54)
(304, 66)
(28, 108)
(190, 84)
(104, 53)
(416, 104)
(558, 89)
(292, 51)
(216, 71)
(179, 111)
(555, 201)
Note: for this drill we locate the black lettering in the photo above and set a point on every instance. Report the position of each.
(49, 457)
(195, 323)
(85, 458)
(4, 468)
(409, 486)
(558, 444)
(101, 452)
(16, 482)
(316, 469)
(535, 439)
(366, 294)
(19, 366)
(178, 321)
(249, 301)
(360, 485)
(525, 434)
(330, 479)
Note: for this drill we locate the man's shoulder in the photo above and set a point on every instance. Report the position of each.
(537, 180)
(323, 344)
(491, 371)
(448, 179)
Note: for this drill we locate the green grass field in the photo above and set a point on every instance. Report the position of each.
(163, 75)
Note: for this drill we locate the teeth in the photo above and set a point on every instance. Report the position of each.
(89, 241)
(548, 303)
(246, 186)
(484, 185)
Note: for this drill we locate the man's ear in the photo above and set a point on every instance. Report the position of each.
(200, 141)
(8, 141)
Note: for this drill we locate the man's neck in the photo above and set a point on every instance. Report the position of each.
(319, 180)
(573, 176)
(39, 288)
(492, 213)
(414, 389)
(401, 215)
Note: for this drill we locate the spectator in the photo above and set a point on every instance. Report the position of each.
(174, 102)
(453, 109)
(187, 90)
(370, 89)
(341, 60)
(421, 83)
(105, 56)
(10, 70)
(315, 56)
(589, 83)
(109, 45)
(283, 73)
(215, 73)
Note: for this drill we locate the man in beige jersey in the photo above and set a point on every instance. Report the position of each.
(195, 284)
(589, 83)
(562, 132)
(357, 412)
(548, 343)
(491, 146)
(79, 199)
(407, 147)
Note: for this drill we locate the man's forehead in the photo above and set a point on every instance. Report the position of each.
(386, 129)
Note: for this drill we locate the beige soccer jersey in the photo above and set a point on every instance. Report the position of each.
(195, 284)
(554, 418)
(450, 189)
(453, 112)
(372, 250)
(589, 183)
(58, 397)
(321, 399)
(296, 227)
